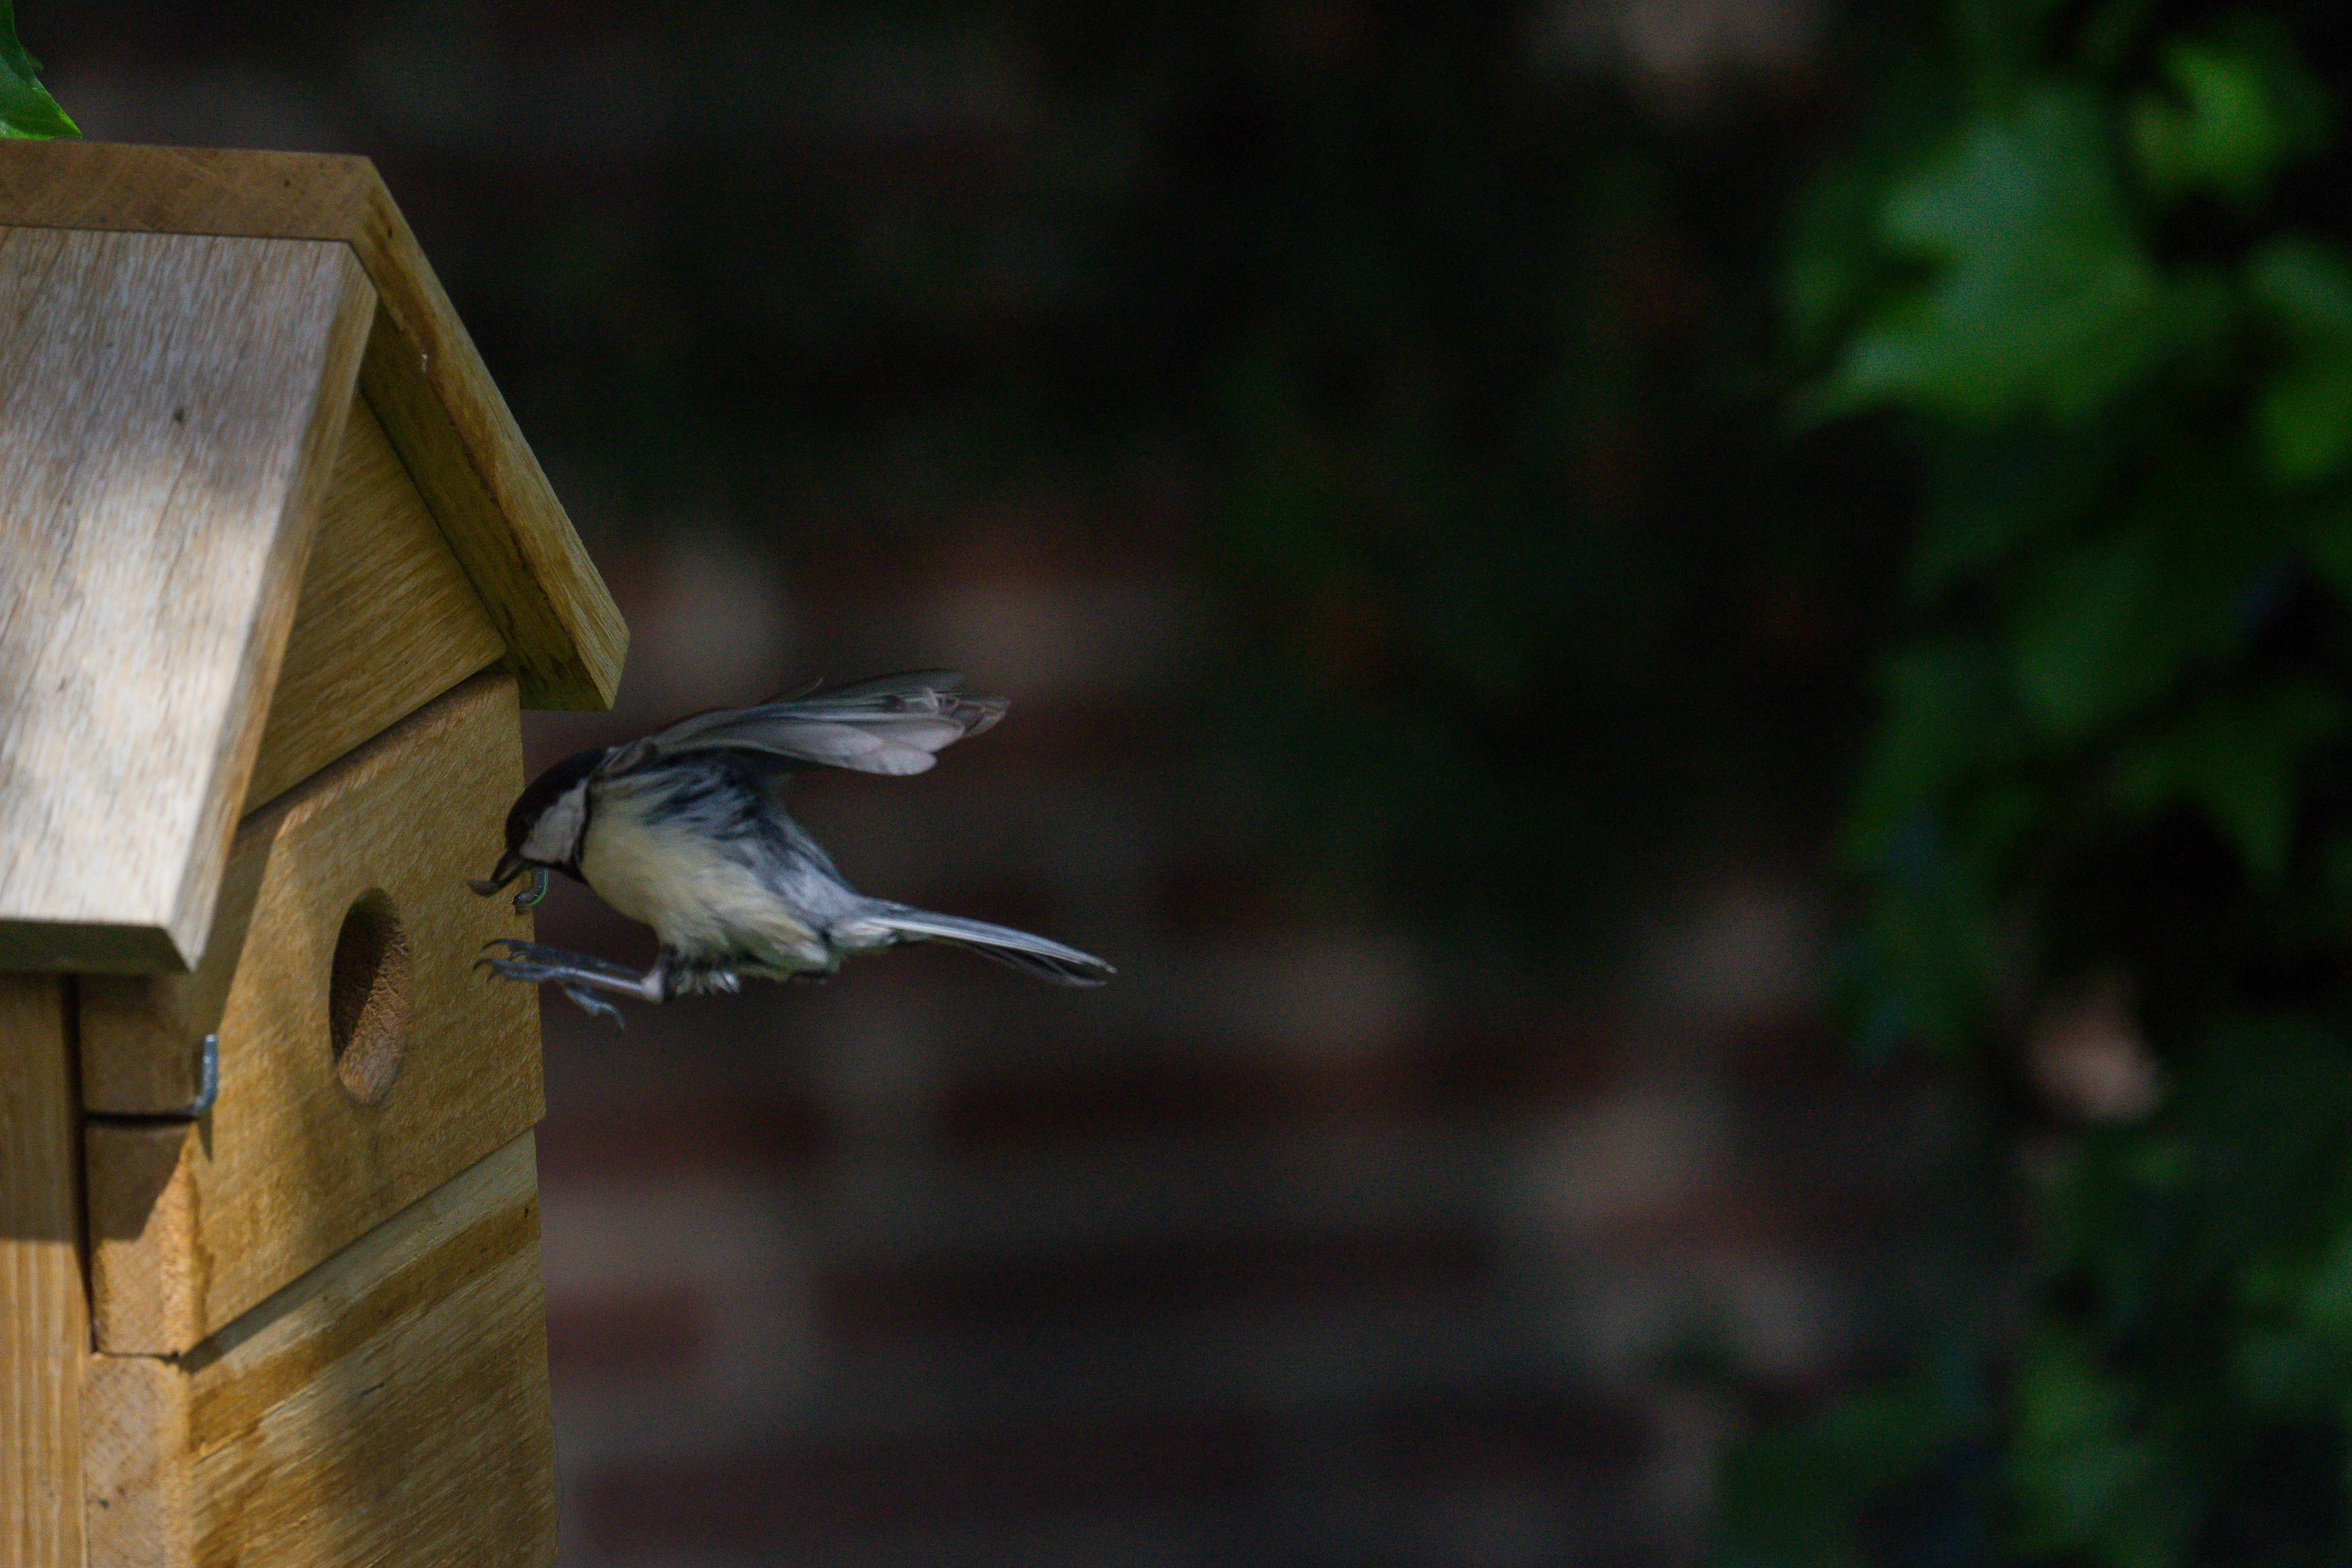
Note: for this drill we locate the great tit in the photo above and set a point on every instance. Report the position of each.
(686, 831)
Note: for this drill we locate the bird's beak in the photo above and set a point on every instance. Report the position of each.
(510, 865)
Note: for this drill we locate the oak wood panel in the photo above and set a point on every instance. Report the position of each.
(565, 638)
(169, 410)
(191, 1227)
(389, 1407)
(43, 1333)
(387, 619)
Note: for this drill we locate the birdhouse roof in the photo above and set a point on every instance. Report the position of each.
(188, 332)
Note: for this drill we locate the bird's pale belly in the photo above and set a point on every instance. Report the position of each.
(697, 897)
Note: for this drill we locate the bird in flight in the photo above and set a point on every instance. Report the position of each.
(686, 831)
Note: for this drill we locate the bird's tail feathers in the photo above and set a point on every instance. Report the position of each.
(1035, 955)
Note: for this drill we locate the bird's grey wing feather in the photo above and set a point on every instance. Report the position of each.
(891, 725)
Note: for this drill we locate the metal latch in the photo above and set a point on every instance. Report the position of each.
(207, 1090)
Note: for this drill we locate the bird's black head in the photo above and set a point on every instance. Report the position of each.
(548, 823)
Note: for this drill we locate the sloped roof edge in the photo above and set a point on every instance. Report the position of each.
(565, 638)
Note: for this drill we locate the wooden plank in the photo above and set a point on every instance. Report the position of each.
(142, 1035)
(190, 1228)
(386, 622)
(147, 1274)
(565, 638)
(43, 1331)
(388, 1408)
(166, 426)
(137, 1481)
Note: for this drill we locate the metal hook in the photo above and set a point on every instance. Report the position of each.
(207, 1078)
(207, 1090)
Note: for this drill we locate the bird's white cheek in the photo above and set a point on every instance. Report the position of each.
(556, 834)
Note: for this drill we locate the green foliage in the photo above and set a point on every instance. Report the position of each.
(2095, 286)
(26, 110)
(2089, 1474)
(2236, 759)
(2304, 417)
(2241, 106)
(2039, 298)
(1794, 1495)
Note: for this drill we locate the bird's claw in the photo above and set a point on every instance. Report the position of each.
(595, 1005)
(519, 969)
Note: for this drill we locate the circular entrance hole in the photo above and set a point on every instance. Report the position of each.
(367, 998)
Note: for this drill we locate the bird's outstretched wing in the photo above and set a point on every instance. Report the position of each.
(892, 724)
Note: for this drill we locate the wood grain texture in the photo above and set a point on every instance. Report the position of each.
(148, 1268)
(289, 1166)
(565, 638)
(388, 1408)
(166, 426)
(138, 1503)
(140, 1034)
(387, 619)
(43, 1335)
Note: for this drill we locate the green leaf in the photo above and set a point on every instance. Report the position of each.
(1828, 252)
(2088, 1475)
(1790, 1498)
(2237, 759)
(26, 110)
(2304, 285)
(2245, 108)
(2326, 1303)
(2041, 298)
(2263, 1103)
(1946, 713)
(1926, 956)
(1830, 256)
(1994, 491)
(2106, 628)
(2302, 415)
(2087, 639)
(1932, 838)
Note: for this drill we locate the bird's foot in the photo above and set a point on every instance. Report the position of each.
(576, 966)
(577, 975)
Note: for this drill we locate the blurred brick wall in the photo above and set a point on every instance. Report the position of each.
(1270, 1252)
(1281, 1250)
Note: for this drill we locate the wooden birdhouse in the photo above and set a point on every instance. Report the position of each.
(277, 573)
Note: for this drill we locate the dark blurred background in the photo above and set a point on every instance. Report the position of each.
(1378, 450)
(1346, 434)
